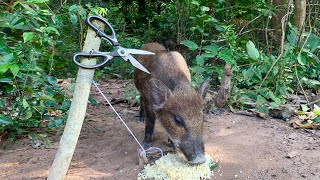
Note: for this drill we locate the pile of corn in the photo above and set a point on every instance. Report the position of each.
(176, 166)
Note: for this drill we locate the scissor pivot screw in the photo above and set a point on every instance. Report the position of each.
(122, 51)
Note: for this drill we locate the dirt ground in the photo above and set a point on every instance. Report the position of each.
(245, 147)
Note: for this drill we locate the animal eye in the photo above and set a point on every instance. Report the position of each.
(178, 120)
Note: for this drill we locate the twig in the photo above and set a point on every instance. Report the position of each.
(248, 24)
(254, 29)
(100, 130)
(313, 102)
(243, 65)
(297, 76)
(266, 33)
(81, 28)
(219, 40)
(295, 66)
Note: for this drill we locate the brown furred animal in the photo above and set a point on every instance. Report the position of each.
(167, 95)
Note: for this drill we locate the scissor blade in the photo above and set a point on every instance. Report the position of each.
(138, 51)
(136, 64)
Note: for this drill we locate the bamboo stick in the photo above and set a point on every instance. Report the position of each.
(77, 110)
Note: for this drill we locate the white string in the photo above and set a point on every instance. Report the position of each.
(95, 84)
(144, 151)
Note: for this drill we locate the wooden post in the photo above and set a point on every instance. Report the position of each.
(77, 110)
(224, 91)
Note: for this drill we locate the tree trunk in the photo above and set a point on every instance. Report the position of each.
(276, 22)
(300, 9)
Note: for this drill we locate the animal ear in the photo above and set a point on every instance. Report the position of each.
(159, 93)
(203, 87)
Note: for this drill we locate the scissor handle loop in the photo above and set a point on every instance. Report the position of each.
(77, 55)
(110, 38)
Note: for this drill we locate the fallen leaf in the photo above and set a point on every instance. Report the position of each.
(302, 124)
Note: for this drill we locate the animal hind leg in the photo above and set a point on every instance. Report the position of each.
(142, 111)
(149, 126)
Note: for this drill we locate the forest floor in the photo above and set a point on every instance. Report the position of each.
(245, 147)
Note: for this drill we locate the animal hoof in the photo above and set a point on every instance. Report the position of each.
(146, 145)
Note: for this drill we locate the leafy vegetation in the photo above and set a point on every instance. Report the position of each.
(33, 52)
(266, 78)
(38, 38)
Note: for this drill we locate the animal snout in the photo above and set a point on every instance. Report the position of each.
(193, 149)
(199, 159)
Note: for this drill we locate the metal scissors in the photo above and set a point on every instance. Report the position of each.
(118, 51)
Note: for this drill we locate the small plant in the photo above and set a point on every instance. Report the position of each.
(32, 53)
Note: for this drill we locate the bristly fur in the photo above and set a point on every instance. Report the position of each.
(166, 94)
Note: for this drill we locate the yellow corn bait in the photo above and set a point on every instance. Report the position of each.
(176, 167)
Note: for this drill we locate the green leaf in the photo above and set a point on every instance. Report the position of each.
(30, 68)
(2, 103)
(46, 97)
(6, 59)
(304, 108)
(219, 27)
(316, 111)
(280, 88)
(5, 121)
(74, 8)
(52, 80)
(313, 42)
(210, 48)
(274, 98)
(213, 166)
(261, 100)
(6, 80)
(67, 103)
(46, 117)
(43, 135)
(4, 48)
(3, 68)
(57, 122)
(73, 18)
(14, 69)
(204, 8)
(274, 105)
(199, 60)
(317, 119)
(27, 36)
(209, 55)
(32, 136)
(27, 7)
(248, 74)
(37, 1)
(226, 55)
(211, 51)
(292, 37)
(275, 70)
(252, 51)
(27, 114)
(263, 109)
(195, 2)
(302, 59)
(49, 103)
(190, 44)
(25, 104)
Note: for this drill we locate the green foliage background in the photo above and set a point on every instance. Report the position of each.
(39, 37)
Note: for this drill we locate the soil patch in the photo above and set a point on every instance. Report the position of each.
(246, 147)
